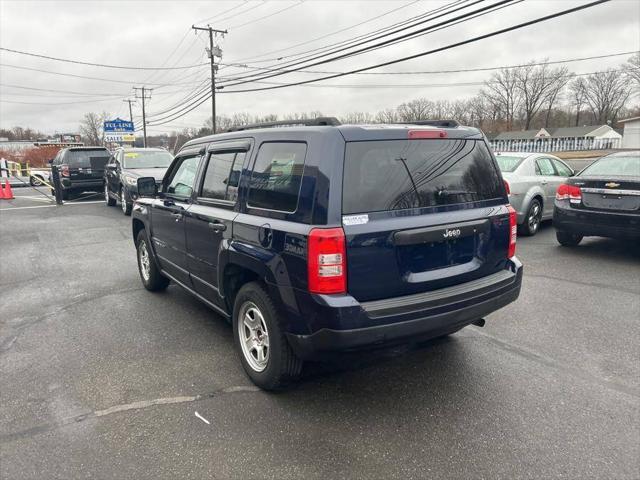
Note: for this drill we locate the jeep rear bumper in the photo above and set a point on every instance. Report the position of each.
(410, 318)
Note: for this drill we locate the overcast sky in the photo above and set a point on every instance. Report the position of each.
(146, 33)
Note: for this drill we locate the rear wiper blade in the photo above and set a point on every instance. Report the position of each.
(413, 183)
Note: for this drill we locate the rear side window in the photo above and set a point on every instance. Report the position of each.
(562, 169)
(544, 167)
(222, 176)
(276, 177)
(95, 159)
(402, 174)
(508, 164)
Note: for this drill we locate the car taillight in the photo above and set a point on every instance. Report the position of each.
(513, 231)
(507, 187)
(327, 261)
(569, 192)
(64, 170)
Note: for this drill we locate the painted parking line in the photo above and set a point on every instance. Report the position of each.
(10, 209)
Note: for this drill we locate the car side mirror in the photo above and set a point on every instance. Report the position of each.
(147, 187)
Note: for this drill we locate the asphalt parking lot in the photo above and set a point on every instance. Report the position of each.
(102, 379)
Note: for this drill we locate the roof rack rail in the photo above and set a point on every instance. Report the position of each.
(308, 122)
(435, 123)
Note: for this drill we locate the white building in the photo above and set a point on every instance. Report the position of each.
(631, 133)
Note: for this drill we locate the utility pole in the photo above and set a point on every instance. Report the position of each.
(213, 52)
(129, 101)
(144, 97)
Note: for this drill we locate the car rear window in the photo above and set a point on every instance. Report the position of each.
(277, 173)
(626, 166)
(402, 174)
(508, 164)
(87, 158)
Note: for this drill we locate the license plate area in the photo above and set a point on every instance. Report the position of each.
(611, 201)
(435, 255)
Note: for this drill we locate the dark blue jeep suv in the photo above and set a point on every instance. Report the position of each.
(329, 237)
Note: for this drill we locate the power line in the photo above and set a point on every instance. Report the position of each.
(435, 50)
(63, 91)
(329, 50)
(78, 62)
(222, 13)
(462, 70)
(422, 85)
(391, 62)
(19, 67)
(406, 36)
(266, 16)
(326, 35)
(59, 103)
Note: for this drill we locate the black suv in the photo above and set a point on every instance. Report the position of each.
(332, 237)
(80, 169)
(125, 167)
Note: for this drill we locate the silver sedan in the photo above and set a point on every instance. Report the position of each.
(532, 179)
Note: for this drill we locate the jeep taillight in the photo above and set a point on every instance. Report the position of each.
(64, 170)
(569, 192)
(507, 187)
(327, 261)
(513, 231)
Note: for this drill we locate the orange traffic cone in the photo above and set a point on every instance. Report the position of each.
(1, 190)
(8, 194)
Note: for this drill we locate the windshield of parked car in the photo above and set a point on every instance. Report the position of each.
(507, 163)
(147, 159)
(402, 174)
(614, 165)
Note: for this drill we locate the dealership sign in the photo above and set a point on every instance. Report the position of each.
(118, 126)
(119, 130)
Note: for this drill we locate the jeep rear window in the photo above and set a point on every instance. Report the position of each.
(402, 174)
(87, 158)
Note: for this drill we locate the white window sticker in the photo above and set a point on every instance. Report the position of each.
(355, 219)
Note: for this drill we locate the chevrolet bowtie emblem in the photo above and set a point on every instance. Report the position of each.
(612, 184)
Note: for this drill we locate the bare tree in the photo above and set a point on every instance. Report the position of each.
(91, 127)
(389, 115)
(357, 118)
(632, 70)
(578, 88)
(556, 86)
(606, 93)
(418, 109)
(477, 111)
(539, 87)
(502, 90)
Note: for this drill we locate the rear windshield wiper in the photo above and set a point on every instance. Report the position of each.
(413, 183)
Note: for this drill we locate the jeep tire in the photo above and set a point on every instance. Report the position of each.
(263, 348)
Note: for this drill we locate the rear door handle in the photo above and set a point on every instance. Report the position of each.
(177, 215)
(217, 226)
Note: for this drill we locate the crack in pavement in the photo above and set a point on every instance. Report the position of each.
(553, 363)
(19, 328)
(586, 284)
(127, 407)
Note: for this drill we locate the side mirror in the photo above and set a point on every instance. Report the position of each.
(147, 187)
